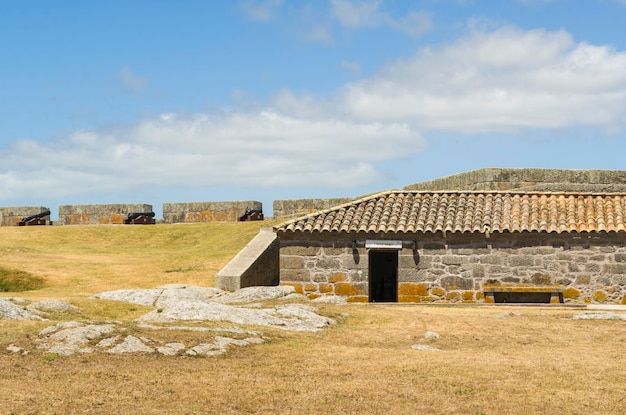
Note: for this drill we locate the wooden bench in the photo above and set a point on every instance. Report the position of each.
(523, 294)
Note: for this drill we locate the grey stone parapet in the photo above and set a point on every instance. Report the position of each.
(11, 216)
(99, 214)
(194, 212)
(529, 179)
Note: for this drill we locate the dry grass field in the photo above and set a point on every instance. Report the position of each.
(491, 359)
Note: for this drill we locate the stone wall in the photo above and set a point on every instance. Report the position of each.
(194, 212)
(529, 180)
(11, 216)
(462, 268)
(300, 207)
(99, 214)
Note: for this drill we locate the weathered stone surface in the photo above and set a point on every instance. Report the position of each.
(328, 263)
(131, 344)
(541, 279)
(10, 311)
(11, 216)
(252, 294)
(193, 212)
(571, 293)
(456, 283)
(295, 275)
(412, 289)
(72, 337)
(424, 347)
(211, 311)
(59, 306)
(599, 296)
(598, 316)
(99, 214)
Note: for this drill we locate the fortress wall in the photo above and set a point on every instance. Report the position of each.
(194, 212)
(11, 216)
(114, 214)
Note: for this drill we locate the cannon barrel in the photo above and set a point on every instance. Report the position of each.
(251, 214)
(35, 216)
(135, 215)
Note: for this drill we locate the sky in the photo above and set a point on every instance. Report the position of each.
(193, 101)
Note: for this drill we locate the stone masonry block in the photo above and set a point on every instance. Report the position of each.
(454, 260)
(521, 261)
(408, 261)
(614, 268)
(412, 289)
(295, 275)
(291, 262)
(337, 277)
(300, 250)
(456, 283)
(328, 263)
(348, 289)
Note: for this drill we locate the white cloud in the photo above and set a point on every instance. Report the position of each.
(498, 81)
(131, 82)
(355, 14)
(353, 68)
(489, 81)
(264, 148)
(260, 10)
(367, 14)
(319, 33)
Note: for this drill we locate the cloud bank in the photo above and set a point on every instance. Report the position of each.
(502, 80)
(488, 81)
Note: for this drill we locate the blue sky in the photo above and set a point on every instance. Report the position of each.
(161, 101)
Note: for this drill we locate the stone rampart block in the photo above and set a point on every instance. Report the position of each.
(11, 216)
(99, 214)
(194, 212)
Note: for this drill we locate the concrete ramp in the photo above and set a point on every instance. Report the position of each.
(254, 265)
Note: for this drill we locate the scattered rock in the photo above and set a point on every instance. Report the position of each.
(175, 302)
(509, 314)
(171, 349)
(59, 306)
(131, 344)
(599, 316)
(251, 294)
(293, 317)
(331, 299)
(18, 300)
(10, 311)
(431, 335)
(423, 347)
(71, 337)
(15, 349)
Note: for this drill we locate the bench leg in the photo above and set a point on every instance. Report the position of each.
(555, 298)
(489, 298)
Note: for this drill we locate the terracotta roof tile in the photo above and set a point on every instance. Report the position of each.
(458, 212)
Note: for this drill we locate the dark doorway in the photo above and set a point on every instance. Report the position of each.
(383, 276)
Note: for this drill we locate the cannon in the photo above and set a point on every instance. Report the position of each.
(251, 214)
(33, 220)
(140, 218)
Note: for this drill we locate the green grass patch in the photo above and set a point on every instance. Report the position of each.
(12, 280)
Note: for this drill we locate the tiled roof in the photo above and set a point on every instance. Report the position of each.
(483, 212)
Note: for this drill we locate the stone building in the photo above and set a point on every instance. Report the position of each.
(512, 245)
